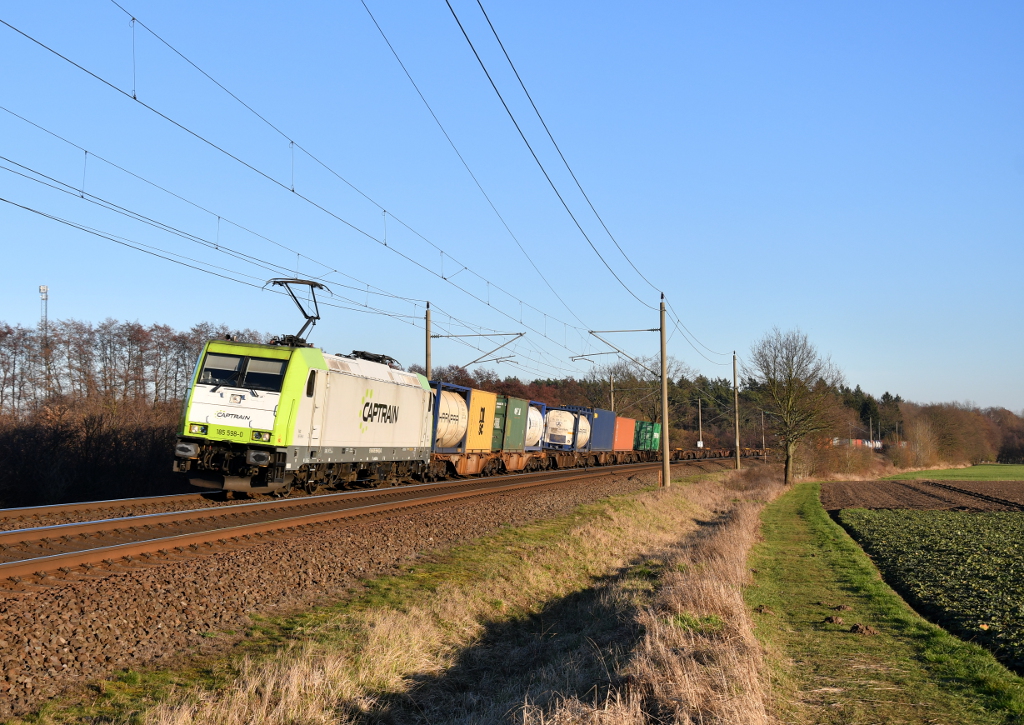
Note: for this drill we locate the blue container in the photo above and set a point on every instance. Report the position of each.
(602, 430)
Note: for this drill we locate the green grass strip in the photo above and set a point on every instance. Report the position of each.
(983, 472)
(910, 672)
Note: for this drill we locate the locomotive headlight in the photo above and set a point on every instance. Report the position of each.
(260, 436)
(196, 428)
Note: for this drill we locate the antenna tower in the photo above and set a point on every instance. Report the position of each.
(44, 298)
(44, 323)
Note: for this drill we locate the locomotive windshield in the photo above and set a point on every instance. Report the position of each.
(255, 373)
(265, 374)
(221, 369)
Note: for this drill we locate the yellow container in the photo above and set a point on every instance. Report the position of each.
(481, 406)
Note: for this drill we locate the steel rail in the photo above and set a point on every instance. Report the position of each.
(30, 511)
(42, 566)
(83, 528)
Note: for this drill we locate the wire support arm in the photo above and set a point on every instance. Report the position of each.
(487, 354)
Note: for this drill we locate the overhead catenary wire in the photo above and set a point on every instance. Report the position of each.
(290, 187)
(191, 262)
(559, 150)
(301, 196)
(538, 161)
(266, 176)
(294, 144)
(465, 164)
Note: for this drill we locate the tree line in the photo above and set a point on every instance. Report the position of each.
(818, 413)
(90, 410)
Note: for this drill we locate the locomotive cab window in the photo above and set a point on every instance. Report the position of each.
(311, 384)
(237, 371)
(265, 374)
(221, 369)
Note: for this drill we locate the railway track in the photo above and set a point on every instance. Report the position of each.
(43, 554)
(14, 516)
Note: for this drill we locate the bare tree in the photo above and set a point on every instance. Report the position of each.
(637, 387)
(795, 386)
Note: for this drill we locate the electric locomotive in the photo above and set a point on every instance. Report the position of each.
(268, 417)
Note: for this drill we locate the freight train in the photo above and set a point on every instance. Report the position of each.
(266, 418)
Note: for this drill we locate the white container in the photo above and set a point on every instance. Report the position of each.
(583, 432)
(452, 419)
(534, 426)
(559, 426)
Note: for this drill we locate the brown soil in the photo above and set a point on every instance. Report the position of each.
(864, 629)
(1009, 490)
(919, 495)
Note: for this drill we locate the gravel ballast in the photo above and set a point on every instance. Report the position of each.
(70, 632)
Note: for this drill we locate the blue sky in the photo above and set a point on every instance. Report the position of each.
(855, 170)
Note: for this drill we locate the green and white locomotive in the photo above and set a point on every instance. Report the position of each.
(267, 417)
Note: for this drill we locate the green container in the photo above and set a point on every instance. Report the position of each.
(510, 415)
(642, 435)
(647, 436)
(655, 437)
(499, 423)
(516, 412)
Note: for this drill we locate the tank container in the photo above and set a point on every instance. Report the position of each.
(566, 430)
(534, 425)
(452, 419)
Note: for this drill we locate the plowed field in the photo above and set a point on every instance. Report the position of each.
(919, 495)
(1009, 490)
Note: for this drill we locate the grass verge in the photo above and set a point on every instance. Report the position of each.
(983, 472)
(519, 626)
(808, 569)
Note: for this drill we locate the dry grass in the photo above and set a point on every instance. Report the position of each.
(698, 661)
(636, 617)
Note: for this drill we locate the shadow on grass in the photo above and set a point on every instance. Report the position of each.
(573, 647)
